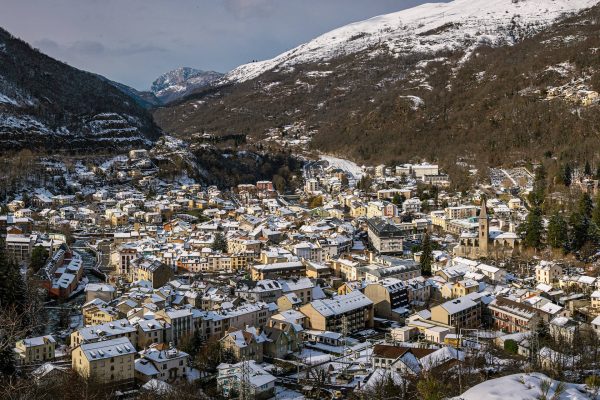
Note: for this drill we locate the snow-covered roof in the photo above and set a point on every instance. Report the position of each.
(341, 304)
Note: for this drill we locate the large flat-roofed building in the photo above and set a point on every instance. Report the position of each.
(278, 270)
(460, 212)
(403, 269)
(354, 309)
(107, 362)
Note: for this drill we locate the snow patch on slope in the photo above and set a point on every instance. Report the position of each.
(8, 100)
(428, 28)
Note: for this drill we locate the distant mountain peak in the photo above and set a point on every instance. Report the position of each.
(181, 81)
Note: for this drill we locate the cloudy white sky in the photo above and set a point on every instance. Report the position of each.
(134, 41)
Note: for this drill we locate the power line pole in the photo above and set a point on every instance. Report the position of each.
(345, 333)
(245, 389)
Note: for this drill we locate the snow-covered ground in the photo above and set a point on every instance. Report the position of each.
(345, 165)
(311, 357)
(426, 29)
(523, 387)
(287, 394)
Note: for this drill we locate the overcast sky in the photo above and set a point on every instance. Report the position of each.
(134, 41)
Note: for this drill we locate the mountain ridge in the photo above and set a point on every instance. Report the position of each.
(430, 27)
(46, 104)
(374, 106)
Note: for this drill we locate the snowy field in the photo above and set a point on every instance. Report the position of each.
(345, 165)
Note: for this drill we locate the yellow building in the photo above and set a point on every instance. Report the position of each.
(119, 219)
(109, 362)
(97, 312)
(464, 287)
(548, 273)
(35, 350)
(462, 312)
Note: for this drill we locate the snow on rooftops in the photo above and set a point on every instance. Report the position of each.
(276, 266)
(99, 287)
(107, 349)
(341, 304)
(298, 284)
(441, 356)
(458, 305)
(114, 328)
(38, 341)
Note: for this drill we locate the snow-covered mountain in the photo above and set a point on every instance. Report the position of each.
(429, 28)
(179, 82)
(493, 80)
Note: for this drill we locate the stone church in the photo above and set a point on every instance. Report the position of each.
(486, 243)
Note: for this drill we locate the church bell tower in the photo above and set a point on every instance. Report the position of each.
(484, 229)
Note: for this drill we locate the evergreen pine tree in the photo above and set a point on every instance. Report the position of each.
(585, 206)
(398, 199)
(537, 195)
(558, 232)
(426, 256)
(587, 170)
(12, 295)
(596, 212)
(533, 229)
(219, 243)
(12, 286)
(567, 175)
(39, 255)
(580, 225)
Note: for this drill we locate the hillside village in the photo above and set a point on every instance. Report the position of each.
(360, 282)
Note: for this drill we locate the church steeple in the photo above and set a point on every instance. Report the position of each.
(484, 228)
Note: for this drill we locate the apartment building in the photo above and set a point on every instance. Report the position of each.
(385, 237)
(462, 312)
(35, 350)
(180, 321)
(389, 297)
(107, 331)
(109, 362)
(511, 316)
(150, 270)
(278, 270)
(354, 310)
(19, 247)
